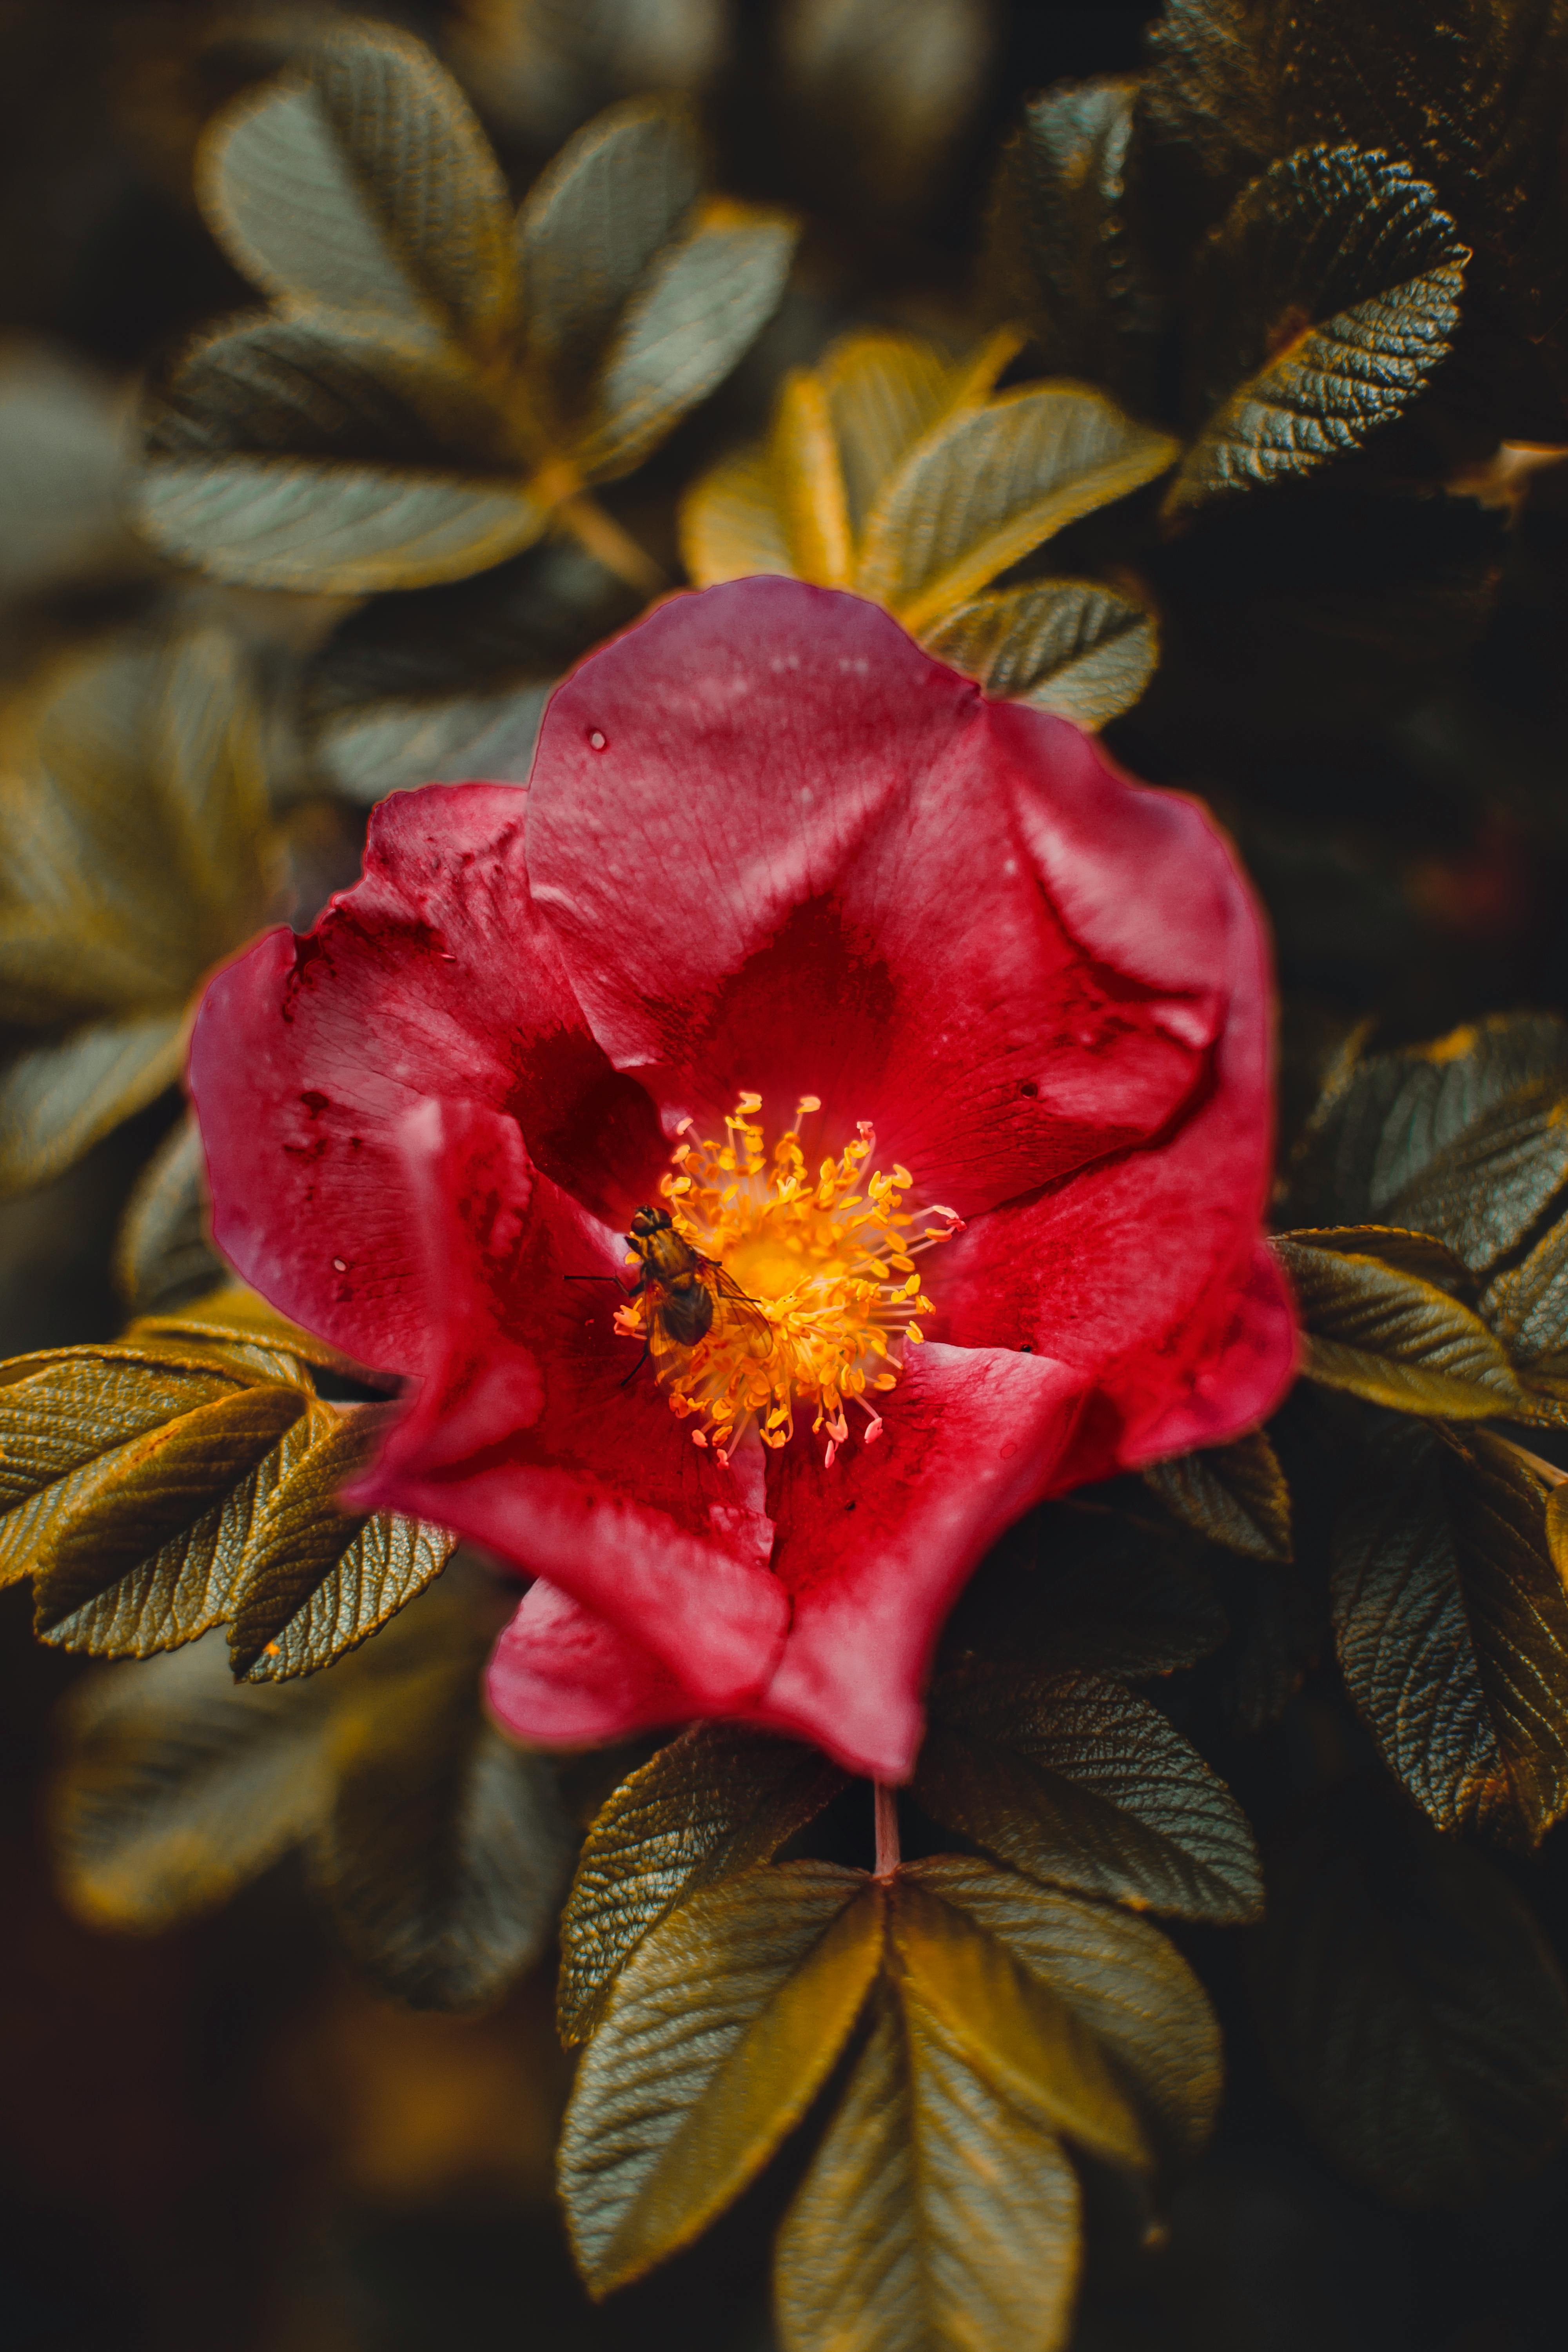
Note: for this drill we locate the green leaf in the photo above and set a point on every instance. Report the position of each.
(719, 2033)
(1083, 1584)
(1527, 1306)
(592, 225)
(390, 747)
(1066, 646)
(366, 184)
(59, 1097)
(1078, 1783)
(445, 1850)
(291, 453)
(930, 2216)
(1206, 95)
(1322, 304)
(709, 1806)
(1386, 1335)
(320, 1580)
(163, 1253)
(994, 483)
(696, 310)
(1235, 1494)
(137, 841)
(1060, 235)
(176, 1788)
(1466, 1138)
(1410, 2006)
(1453, 1627)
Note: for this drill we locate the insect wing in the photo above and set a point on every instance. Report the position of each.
(735, 1306)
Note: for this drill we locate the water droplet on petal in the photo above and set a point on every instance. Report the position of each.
(596, 738)
(340, 1265)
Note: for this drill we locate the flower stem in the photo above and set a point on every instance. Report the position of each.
(617, 550)
(887, 1829)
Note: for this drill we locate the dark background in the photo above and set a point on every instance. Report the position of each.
(218, 2138)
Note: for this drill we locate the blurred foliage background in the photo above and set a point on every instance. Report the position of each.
(219, 2138)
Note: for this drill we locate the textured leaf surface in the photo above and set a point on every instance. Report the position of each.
(709, 1806)
(994, 483)
(445, 1850)
(592, 225)
(700, 307)
(929, 2217)
(1078, 1781)
(1411, 2007)
(1453, 1629)
(139, 852)
(1389, 1337)
(1122, 1979)
(367, 184)
(178, 1788)
(1325, 300)
(1235, 1494)
(1066, 646)
(1466, 1138)
(1066, 246)
(717, 2035)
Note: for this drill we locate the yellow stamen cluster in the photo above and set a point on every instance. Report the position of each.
(816, 1292)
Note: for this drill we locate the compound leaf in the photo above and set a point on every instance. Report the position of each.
(319, 1580)
(1410, 2006)
(60, 1096)
(719, 2032)
(1066, 646)
(1452, 1625)
(1076, 1781)
(709, 1806)
(1235, 1494)
(1324, 302)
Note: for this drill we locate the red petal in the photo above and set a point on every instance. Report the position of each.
(433, 976)
(783, 849)
(875, 1549)
(1238, 1380)
(562, 1677)
(524, 1438)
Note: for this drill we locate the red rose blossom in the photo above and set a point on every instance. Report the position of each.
(946, 1049)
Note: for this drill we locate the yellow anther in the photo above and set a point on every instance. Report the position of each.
(815, 1291)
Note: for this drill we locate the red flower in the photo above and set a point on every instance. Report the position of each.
(946, 1050)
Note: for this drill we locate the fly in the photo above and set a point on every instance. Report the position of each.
(687, 1289)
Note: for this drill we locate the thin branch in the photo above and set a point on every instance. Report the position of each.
(615, 549)
(887, 1829)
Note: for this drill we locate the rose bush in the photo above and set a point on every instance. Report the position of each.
(945, 1047)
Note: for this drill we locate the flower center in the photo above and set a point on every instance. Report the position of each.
(811, 1276)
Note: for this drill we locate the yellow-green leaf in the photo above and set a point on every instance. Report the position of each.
(177, 1787)
(718, 2035)
(1066, 646)
(1395, 1340)
(932, 2215)
(1076, 1781)
(994, 483)
(709, 1806)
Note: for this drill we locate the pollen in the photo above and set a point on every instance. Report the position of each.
(813, 1265)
